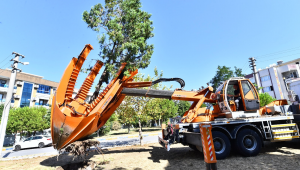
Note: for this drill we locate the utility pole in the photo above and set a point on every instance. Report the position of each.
(253, 68)
(9, 96)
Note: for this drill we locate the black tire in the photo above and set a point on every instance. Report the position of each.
(222, 145)
(248, 143)
(41, 145)
(17, 147)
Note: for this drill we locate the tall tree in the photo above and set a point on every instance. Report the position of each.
(161, 109)
(134, 107)
(126, 113)
(223, 74)
(27, 119)
(124, 29)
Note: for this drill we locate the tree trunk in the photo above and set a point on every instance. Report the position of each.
(21, 133)
(15, 138)
(103, 78)
(159, 122)
(98, 131)
(140, 132)
(128, 128)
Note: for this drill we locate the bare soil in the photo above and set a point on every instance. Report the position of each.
(282, 155)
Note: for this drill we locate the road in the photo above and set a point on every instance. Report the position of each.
(52, 151)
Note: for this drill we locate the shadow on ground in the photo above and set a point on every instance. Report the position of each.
(69, 162)
(279, 155)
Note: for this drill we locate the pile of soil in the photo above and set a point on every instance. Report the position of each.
(81, 148)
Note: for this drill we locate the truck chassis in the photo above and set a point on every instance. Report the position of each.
(244, 135)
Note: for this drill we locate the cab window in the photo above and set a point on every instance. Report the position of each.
(248, 90)
(220, 89)
(230, 89)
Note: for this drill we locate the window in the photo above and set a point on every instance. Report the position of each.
(43, 102)
(294, 74)
(3, 83)
(1, 97)
(220, 89)
(26, 95)
(265, 78)
(28, 139)
(230, 89)
(267, 89)
(37, 137)
(44, 89)
(248, 91)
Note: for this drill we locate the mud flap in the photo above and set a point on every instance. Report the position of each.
(165, 144)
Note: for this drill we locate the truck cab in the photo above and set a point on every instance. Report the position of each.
(237, 97)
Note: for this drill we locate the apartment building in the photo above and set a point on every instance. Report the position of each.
(278, 79)
(29, 90)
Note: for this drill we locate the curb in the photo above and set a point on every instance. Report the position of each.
(55, 153)
(113, 138)
(126, 137)
(28, 156)
(7, 149)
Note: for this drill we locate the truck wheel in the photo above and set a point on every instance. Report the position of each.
(222, 145)
(248, 143)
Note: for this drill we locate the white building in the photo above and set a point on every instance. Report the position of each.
(29, 90)
(278, 79)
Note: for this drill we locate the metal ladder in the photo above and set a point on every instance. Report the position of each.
(267, 129)
(286, 131)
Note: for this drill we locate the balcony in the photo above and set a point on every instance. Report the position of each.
(291, 80)
(17, 96)
(287, 68)
(4, 88)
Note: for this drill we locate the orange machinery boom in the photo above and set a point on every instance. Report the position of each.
(73, 118)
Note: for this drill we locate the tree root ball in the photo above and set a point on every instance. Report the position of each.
(81, 148)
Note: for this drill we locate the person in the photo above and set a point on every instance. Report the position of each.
(237, 93)
(237, 96)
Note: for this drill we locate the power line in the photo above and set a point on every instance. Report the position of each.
(244, 65)
(4, 65)
(278, 57)
(278, 52)
(6, 58)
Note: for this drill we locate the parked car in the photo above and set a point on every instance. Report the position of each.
(33, 141)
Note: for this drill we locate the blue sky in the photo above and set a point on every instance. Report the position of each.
(191, 37)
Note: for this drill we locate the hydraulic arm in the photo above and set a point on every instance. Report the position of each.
(72, 118)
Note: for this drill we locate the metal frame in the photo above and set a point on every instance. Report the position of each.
(226, 121)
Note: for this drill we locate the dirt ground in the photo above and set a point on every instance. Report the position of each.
(283, 155)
